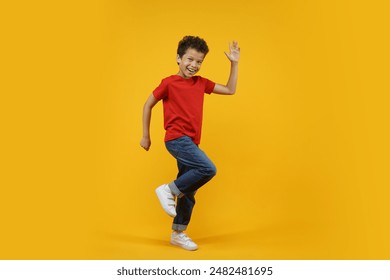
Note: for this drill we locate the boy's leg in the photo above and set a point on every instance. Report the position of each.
(195, 169)
(184, 207)
(184, 204)
(199, 168)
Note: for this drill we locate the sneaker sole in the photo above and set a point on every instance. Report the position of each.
(184, 247)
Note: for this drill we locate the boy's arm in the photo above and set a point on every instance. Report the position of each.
(234, 57)
(146, 117)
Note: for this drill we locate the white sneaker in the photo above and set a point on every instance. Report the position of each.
(182, 240)
(167, 199)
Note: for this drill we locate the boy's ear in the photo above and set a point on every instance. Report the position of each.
(178, 59)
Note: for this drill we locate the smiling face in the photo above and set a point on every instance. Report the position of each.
(189, 63)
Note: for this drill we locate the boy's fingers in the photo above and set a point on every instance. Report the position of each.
(233, 46)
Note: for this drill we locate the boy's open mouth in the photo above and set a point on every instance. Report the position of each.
(192, 71)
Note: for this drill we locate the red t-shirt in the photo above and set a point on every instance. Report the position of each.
(183, 105)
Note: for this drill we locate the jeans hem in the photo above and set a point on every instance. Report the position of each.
(179, 227)
(175, 190)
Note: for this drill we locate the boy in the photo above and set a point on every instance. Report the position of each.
(182, 96)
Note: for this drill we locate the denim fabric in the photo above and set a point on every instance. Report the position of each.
(195, 170)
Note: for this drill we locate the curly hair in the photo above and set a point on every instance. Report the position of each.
(193, 42)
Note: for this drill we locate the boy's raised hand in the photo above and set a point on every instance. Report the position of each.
(234, 54)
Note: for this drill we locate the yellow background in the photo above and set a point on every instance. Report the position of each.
(302, 149)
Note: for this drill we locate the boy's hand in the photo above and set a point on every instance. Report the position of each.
(234, 54)
(145, 143)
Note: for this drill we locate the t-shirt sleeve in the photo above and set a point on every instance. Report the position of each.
(162, 90)
(209, 86)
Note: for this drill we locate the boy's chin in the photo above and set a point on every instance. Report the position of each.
(190, 74)
(187, 75)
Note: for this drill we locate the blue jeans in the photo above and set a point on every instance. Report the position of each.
(195, 170)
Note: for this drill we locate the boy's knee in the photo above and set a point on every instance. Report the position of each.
(211, 170)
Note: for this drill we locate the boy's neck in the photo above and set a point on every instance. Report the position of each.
(181, 75)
